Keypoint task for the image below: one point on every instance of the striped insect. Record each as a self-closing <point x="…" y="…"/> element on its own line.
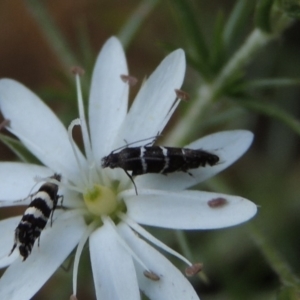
<point x="158" y="159"/>
<point x="41" y="208"/>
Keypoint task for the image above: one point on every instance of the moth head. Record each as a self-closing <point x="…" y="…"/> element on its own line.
<point x="110" y="161"/>
<point x="56" y="176"/>
<point x="213" y="159"/>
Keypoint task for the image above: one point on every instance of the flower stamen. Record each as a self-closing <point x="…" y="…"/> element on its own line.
<point x="182" y="95"/>
<point x="79" y="249"/>
<point x="94" y="175"/>
<point x="108" y="222"/>
<point x="72" y="142"/>
<point x="140" y="230"/>
<point x="171" y="111"/>
<point x="194" y="269"/>
<point x="84" y="128"/>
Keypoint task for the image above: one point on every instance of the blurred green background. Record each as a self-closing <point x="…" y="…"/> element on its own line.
<point x="41" y="40"/>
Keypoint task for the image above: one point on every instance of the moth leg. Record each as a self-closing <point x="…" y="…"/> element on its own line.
<point x="154" y="140"/>
<point x="149" y="144"/>
<point x="13" y="248"/>
<point x="51" y="215"/>
<point x="15" y="241"/>
<point x="186" y="171"/>
<point x="131" y="181"/>
<point x="38" y="241"/>
<point x="61" y="198"/>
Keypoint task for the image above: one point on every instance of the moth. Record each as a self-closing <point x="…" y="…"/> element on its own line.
<point x="158" y="159"/>
<point x="41" y="208"/>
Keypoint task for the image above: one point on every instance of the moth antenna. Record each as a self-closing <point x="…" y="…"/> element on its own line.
<point x="132" y="143"/>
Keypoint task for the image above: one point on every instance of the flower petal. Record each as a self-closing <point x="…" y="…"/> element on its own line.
<point x="17" y="183"/>
<point x="7" y="229"/>
<point x="23" y="279"/>
<point x="113" y="269"/>
<point x="172" y="284"/>
<point x="188" y="209"/>
<point x="17" y="180"/>
<point x="108" y="97"/>
<point x="228" y="145"/>
<point x="38" y="128"/>
<point x="149" y="112"/>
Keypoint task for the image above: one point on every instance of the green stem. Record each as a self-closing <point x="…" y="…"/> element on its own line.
<point x="181" y="239"/>
<point x="135" y="21"/>
<point x="274" y="112"/>
<point x="257" y="40"/>
<point x="186" y="251"/>
<point x="275" y="260"/>
<point x="208" y="92"/>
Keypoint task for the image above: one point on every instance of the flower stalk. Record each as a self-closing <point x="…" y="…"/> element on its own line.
<point x="209" y="92"/>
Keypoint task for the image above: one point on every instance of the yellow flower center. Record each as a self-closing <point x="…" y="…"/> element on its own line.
<point x="100" y="200"/>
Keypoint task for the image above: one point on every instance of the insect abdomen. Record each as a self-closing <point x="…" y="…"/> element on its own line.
<point x="177" y="159"/>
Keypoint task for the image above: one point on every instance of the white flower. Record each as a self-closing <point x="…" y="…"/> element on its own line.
<point x="102" y="204"/>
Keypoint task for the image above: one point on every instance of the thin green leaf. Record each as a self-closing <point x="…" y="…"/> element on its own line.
<point x="263" y="15"/>
<point x="235" y="66"/>
<point x="233" y="86"/>
<point x="238" y="86"/>
<point x="54" y="36"/>
<point x="271" y="110"/>
<point x="222" y="118"/>
<point x="275" y="260"/>
<point x="238" y="18"/>
<point x="193" y="35"/>
<point x="291" y="8"/>
<point x="135" y="21"/>
<point x="272" y="83"/>
<point x="18" y="148"/>
<point x="87" y="53"/>
<point x="192" y="61"/>
<point x="218" y="53"/>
